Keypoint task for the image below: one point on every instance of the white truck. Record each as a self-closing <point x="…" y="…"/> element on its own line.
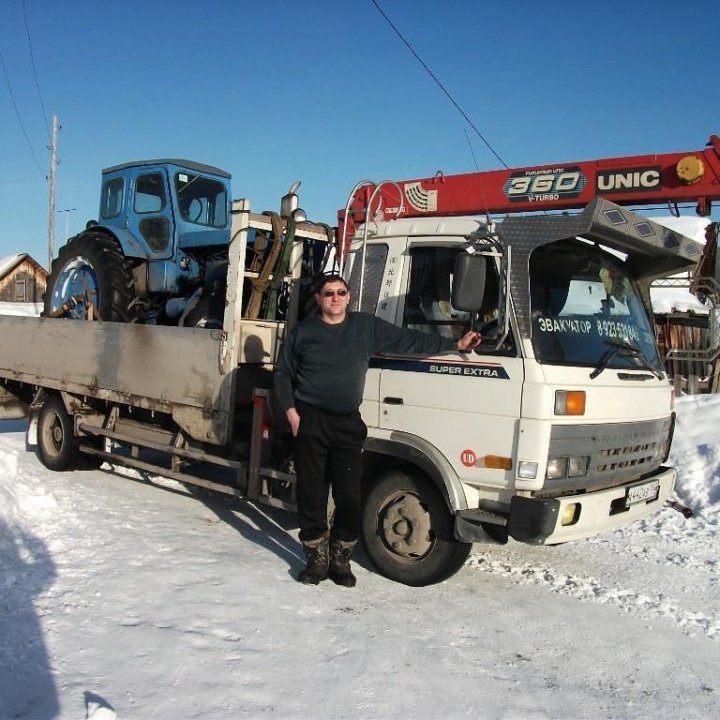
<point x="554" y="429"/>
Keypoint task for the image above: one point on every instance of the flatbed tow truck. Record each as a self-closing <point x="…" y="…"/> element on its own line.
<point x="556" y="428"/>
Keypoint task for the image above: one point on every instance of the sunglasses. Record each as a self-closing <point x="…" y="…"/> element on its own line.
<point x="332" y="293"/>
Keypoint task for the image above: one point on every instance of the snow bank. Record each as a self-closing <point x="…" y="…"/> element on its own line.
<point x="696" y="454"/>
<point x="24" y="309"/>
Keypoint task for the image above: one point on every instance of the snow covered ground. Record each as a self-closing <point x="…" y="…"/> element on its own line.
<point x="120" y="597"/>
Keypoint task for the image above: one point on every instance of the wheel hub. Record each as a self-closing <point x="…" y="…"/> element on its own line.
<point x="405" y="526"/>
<point x="76" y="286"/>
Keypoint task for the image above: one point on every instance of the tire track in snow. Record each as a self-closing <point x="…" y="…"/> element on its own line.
<point x="591" y="589"/>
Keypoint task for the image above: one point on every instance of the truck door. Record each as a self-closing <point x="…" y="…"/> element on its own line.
<point x="150" y="217"/>
<point x="381" y="284"/>
<point x="466" y="405"/>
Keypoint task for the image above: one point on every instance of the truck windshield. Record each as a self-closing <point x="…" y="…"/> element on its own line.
<point x="584" y="307"/>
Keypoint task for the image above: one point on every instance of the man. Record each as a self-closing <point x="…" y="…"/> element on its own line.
<point x="319" y="384"/>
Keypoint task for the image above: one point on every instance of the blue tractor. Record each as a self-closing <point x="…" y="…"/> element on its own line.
<point x="162" y="238"/>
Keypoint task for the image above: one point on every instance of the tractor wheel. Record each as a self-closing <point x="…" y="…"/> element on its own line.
<point x="407" y="530"/>
<point x="208" y="313"/>
<point x="90" y="270"/>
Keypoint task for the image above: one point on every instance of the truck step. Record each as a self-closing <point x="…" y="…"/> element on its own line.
<point x="480" y="515"/>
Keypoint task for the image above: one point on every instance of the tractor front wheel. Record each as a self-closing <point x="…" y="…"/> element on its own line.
<point x="90" y="278"/>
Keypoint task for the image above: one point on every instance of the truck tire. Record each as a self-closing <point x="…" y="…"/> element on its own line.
<point x="91" y="266"/>
<point x="407" y="530"/>
<point x="57" y="445"/>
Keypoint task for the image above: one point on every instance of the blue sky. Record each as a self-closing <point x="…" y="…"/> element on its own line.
<point x="323" y="91"/>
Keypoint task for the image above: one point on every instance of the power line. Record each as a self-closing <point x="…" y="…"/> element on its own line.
<point x="438" y="83"/>
<point x="32" y="61"/>
<point x="472" y="152"/>
<point x="17" y="113"/>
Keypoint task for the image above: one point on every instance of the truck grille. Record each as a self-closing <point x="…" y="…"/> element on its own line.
<point x="618" y="452"/>
<point x="611" y="459"/>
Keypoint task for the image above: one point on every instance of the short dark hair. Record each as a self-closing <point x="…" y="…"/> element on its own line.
<point x="324" y="280"/>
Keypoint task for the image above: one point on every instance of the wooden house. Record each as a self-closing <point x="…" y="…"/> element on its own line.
<point x="22" y="279"/>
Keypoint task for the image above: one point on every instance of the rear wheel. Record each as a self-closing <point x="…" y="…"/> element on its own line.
<point x="57" y="445"/>
<point x="90" y="272"/>
<point x="208" y="313"/>
<point x="407" y="530"/>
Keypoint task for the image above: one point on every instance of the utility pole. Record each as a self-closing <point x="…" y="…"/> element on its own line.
<point x="52" y="185"/>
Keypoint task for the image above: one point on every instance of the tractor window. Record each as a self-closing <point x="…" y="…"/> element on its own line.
<point x="112" y="198"/>
<point x="156" y="232"/>
<point x="201" y="201"/>
<point x="149" y="193"/>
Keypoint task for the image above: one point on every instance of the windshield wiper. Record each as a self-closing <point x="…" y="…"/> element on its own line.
<point x="628" y="350"/>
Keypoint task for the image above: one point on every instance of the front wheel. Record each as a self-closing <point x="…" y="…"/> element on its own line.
<point x="407" y="530"/>
<point x="57" y="445"/>
<point x="90" y="272"/>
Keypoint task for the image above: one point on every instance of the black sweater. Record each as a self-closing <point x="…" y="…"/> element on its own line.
<point x="325" y="365"/>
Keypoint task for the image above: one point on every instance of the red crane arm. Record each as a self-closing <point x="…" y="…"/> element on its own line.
<point x="637" y="180"/>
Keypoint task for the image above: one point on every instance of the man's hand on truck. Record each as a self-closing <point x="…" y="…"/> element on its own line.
<point x="468" y="341"/>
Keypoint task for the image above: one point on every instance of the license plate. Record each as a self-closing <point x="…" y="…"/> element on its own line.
<point x="642" y="493"/>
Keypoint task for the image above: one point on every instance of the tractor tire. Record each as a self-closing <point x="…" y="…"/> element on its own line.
<point x="91" y="267"/>
<point x="208" y="313"/>
<point x="407" y="530"/>
<point x="57" y="445"/>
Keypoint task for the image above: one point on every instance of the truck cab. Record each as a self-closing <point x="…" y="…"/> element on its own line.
<point x="557" y="426"/>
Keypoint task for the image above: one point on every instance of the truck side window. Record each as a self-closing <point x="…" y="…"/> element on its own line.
<point x="375" y="258"/>
<point x="427" y="303"/>
<point x="149" y="193"/>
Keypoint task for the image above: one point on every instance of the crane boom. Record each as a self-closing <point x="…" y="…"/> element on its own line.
<point x="674" y="178"/>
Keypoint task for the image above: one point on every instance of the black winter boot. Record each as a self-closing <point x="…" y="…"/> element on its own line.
<point x="339" y="570"/>
<point x="316" y="570"/>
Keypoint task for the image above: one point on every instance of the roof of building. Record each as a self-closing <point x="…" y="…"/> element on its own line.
<point x="8" y="264"/>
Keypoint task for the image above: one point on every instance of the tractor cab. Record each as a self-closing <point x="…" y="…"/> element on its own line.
<point x="159" y="209"/>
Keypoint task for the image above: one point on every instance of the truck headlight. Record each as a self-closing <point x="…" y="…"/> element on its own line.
<point x="566" y="467"/>
<point x="577" y="466"/>
<point x="556" y="468"/>
<point x="527" y="470"/>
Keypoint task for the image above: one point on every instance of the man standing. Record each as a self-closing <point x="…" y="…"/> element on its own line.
<point x="319" y="384"/>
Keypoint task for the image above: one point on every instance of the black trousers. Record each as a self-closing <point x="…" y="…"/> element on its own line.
<point x="328" y="453"/>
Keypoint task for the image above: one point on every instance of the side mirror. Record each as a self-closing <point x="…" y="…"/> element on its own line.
<point x="468" y="287"/>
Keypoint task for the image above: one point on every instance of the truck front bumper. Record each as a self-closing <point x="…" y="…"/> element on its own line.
<point x="540" y="522"/>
